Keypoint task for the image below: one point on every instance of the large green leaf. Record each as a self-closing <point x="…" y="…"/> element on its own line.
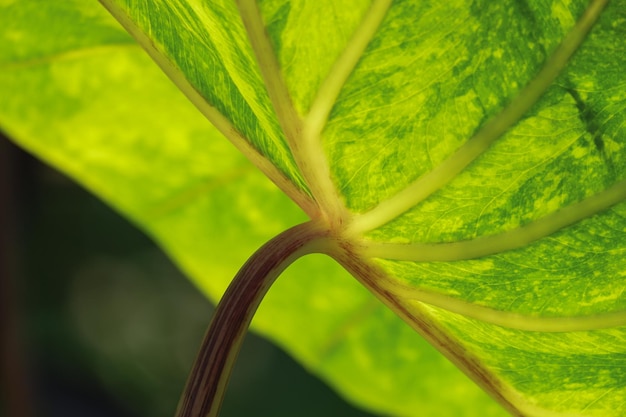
<point x="350" y="105"/>
<point x="80" y="94"/>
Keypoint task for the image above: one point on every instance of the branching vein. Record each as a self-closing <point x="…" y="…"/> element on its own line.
<point x="512" y="239"/>
<point x="513" y="320"/>
<point x="303" y="136"/>
<point x="426" y="185"/>
<point x="212" y="113"/>
<point x="274" y="83"/>
<point x="325" y="99"/>
<point x="291" y="123"/>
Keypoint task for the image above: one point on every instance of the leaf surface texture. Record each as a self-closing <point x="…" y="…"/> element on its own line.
<point x="429" y="76"/>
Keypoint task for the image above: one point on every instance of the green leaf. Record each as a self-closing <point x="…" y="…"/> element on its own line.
<point x="92" y="104"/>
<point x="361" y="113"/>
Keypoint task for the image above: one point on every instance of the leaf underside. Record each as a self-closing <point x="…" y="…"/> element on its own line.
<point x="343" y="136"/>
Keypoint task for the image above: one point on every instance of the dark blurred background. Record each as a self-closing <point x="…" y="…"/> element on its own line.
<point x="96" y="321"/>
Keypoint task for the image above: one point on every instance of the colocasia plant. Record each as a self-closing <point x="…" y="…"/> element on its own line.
<point x="464" y="161"/>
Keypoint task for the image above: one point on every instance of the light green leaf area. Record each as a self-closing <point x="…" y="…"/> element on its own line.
<point x="80" y="94"/>
<point x="355" y="111"/>
<point x="99" y="109"/>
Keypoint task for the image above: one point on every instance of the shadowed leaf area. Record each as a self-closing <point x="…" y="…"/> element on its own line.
<point x="477" y="189"/>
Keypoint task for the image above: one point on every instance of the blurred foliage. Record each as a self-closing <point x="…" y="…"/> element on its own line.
<point x="113" y="326"/>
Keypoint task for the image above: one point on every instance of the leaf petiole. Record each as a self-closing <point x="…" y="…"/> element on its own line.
<point x="211" y="370"/>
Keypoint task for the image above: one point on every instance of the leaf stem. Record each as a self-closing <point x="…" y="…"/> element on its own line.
<point x="509" y="240"/>
<point x="429" y="183"/>
<point x="211" y="370"/>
